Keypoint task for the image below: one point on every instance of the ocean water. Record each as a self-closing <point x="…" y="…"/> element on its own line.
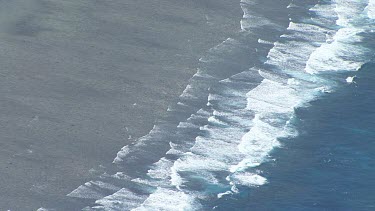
<point x="278" y="117"/>
<point x="330" y="165"/>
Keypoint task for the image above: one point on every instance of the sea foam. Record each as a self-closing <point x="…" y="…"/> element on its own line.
<point x="246" y="116"/>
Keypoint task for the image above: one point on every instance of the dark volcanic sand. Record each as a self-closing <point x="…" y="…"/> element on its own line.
<point x="79" y="79"/>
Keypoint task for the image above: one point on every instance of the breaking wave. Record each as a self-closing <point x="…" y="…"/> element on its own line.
<point x="239" y="106"/>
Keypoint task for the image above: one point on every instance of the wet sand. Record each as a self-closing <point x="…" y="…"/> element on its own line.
<point x="80" y="79"/>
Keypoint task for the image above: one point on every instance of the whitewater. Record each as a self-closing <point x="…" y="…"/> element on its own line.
<point x="235" y="111"/>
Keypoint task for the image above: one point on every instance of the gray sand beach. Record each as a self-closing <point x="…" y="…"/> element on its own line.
<point x="79" y="79"/>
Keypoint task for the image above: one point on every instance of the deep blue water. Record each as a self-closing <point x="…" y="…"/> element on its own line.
<point x="331" y="165"/>
<point x="271" y="120"/>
